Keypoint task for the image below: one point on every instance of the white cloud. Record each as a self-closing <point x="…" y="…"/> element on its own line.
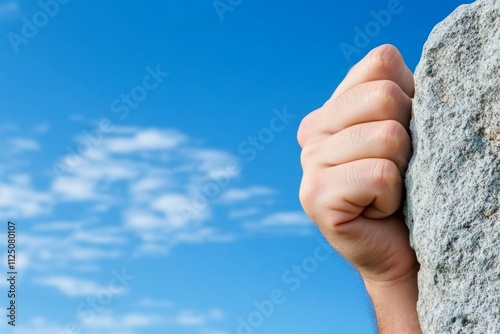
<point x="203" y="235"/>
<point x="148" y="184"/>
<point x="94" y="178"/>
<point x="190" y="318"/>
<point x="145" y="140"/>
<point x="134" y="322"/>
<point x="153" y="189"/>
<point x="52" y="247"/>
<point x="80" y="253"/>
<point x="212" y="161"/>
<point x="144" y="220"/>
<point x="171" y="207"/>
<point x="59" y="226"/>
<point x="39" y="325"/>
<point x="21" y="200"/>
<point x="160" y="244"/>
<point x="152" y="248"/>
<point x="152" y="303"/>
<point x="140" y="320"/>
<point x="174" y="208"/>
<point x="103" y="236"/>
<point x="239" y="195"/>
<point x="155" y="180"/>
<point x="17" y="145"/>
<point x="74" y="189"/>
<point x="124" y="322"/>
<point x="107" y="322"/>
<point x="72" y="287"/>
<point x="293" y="222"/>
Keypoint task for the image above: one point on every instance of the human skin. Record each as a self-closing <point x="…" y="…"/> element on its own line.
<point x="355" y="152"/>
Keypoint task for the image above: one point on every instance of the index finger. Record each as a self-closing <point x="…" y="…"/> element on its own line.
<point x="382" y="63"/>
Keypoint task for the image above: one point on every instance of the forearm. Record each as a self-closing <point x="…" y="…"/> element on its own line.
<point x="395" y="306"/>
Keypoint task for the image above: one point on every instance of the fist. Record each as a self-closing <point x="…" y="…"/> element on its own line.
<point x="355" y="151"/>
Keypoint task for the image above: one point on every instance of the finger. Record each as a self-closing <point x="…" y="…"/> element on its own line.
<point x="346" y="190"/>
<point x="381" y="140"/>
<point x="382" y="63"/>
<point x="367" y="102"/>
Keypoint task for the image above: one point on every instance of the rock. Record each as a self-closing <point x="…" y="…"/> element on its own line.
<point x="453" y="181"/>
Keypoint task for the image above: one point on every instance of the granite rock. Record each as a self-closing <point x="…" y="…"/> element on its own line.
<point x="453" y="181"/>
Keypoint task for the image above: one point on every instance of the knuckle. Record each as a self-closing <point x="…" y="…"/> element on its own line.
<point x="306" y="129"/>
<point x="313" y="157"/>
<point x="317" y="203"/>
<point x="308" y="193"/>
<point x="385" y="174"/>
<point x="307" y="154"/>
<point x="384" y="60"/>
<point x="388" y="97"/>
<point x="391" y="135"/>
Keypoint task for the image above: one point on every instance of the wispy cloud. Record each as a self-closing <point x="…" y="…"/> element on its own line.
<point x="245" y="194"/>
<point x="191" y="318"/>
<point x="53" y="247"/>
<point x="155" y="304"/>
<point x="71" y="286"/>
<point x="292" y="222"/>
<point x="135" y="322"/>
<point x="40" y="325"/>
<point x="154" y="188"/>
<point x="17" y="145"/>
<point x="126" y="322"/>
<point x="19" y="199"/>
<point x="110" y="323"/>
<point x="145" y="140"/>
<point x="245" y="212"/>
<point x="138" y="189"/>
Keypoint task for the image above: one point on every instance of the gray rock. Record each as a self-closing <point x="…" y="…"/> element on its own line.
<point x="453" y="182"/>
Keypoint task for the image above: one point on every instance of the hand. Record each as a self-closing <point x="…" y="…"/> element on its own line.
<point x="356" y="149"/>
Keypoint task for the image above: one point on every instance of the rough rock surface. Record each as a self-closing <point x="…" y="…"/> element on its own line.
<point x="453" y="182"/>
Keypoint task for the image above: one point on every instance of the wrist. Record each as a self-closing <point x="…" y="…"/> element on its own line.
<point x="395" y="305"/>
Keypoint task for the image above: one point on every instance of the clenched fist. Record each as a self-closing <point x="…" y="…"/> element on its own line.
<point x="355" y="151"/>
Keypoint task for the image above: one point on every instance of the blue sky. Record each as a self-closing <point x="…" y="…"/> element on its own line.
<point x="149" y="161"/>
